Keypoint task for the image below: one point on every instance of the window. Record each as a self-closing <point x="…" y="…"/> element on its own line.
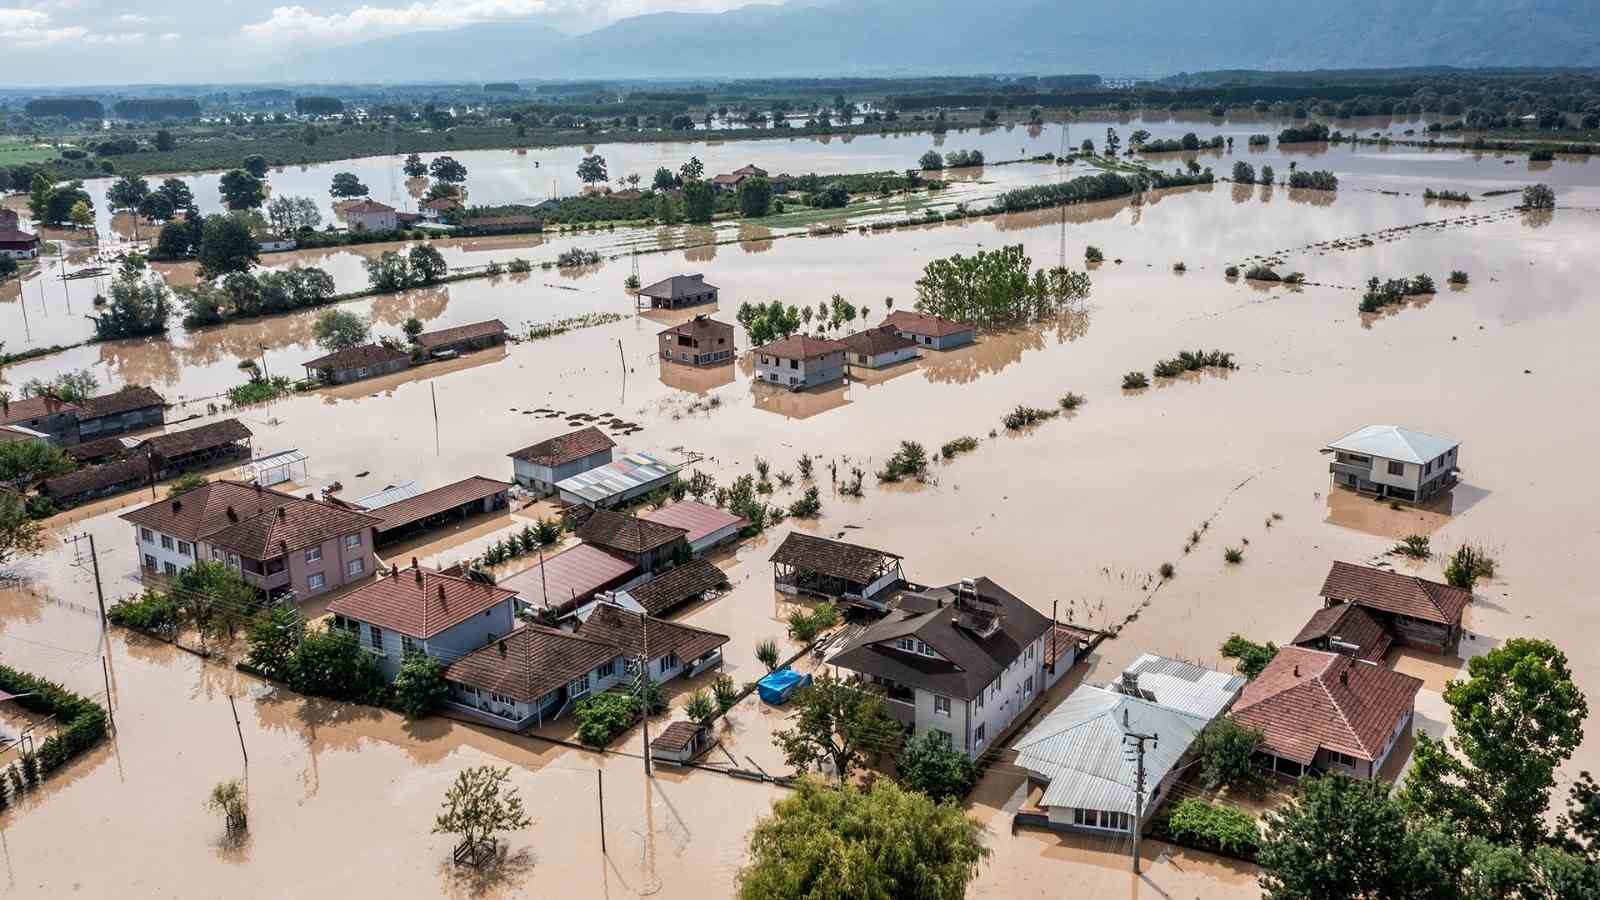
<point x="407" y="645"/>
<point x="147" y="536"/>
<point x="906" y="644"/>
<point x="149" y="561"/>
<point x="668" y="663"/>
<point x="316" y="581"/>
<point x="607" y="670"/>
<point x="941" y="705"/>
<point x="977" y="735"/>
<point x="1029" y="655"/>
<point x="166" y="542"/>
<point x="185" y="548"/>
<point x="352" y="541"/>
<point x="216" y="554"/>
<point x="979" y="701"/>
<point x="1027" y="687"/>
<point x="1428" y="469"/>
<point x="355" y="567"/>
<point x="1397" y="468"/>
<point x="375" y="637"/>
<point x="170" y="568"/>
<point x="579" y="686"/>
<point x="1349" y="762"/>
<point x="994" y="689"/>
<point x="794" y="363"/>
<point x="233" y="560"/>
<point x="945" y="738"/>
<point x="314" y="554"/>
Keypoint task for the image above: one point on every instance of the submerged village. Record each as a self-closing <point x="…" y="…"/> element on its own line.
<point x="1162" y="502"/>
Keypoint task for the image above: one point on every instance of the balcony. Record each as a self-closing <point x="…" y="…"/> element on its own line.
<point x="1363" y="472"/>
<point x="902" y="712"/>
<point x="266" y="581"/>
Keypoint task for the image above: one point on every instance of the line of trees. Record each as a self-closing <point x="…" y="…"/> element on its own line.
<point x="993" y="288"/>
<point x="241" y="295"/>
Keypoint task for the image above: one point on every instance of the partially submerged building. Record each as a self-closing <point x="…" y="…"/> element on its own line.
<point x="200" y="447"/>
<point x="877" y="348"/>
<point x="834" y="570"/>
<point x="1391" y="462"/>
<point x="43" y="413"/>
<point x="800" y="361"/>
<point x="1346" y="628"/>
<point x="133" y="408"/>
<point x="682" y="584"/>
<point x="416" y="513"/>
<point x="422" y="610"/>
<point x="632" y="476"/>
<point x="94" y="482"/>
<point x="463" y="338"/>
<point x="646" y="545"/>
<point x="560" y="583"/>
<point x="1417" y="612"/>
<point x="368" y="214"/>
<point x="679" y="291"/>
<point x="930" y="331"/>
<point x="356" y="363"/>
<point x="701" y="341"/>
<point x="538" y="467"/>
<point x="706" y="527"/>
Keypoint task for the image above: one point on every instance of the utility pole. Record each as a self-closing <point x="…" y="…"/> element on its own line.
<point x="105" y="670"/>
<point x="1138" y="739"/>
<point x="600" y="779"/>
<point x="239" y="728"/>
<point x="94" y="559"/>
<point x="644" y="693"/>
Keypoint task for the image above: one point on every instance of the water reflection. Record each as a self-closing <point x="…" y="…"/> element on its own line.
<point x="798" y="404"/>
<point x="696" y="379"/>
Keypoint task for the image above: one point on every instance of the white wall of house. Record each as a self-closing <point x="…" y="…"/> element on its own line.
<point x="879" y="360"/>
<point x="542" y="479"/>
<point x="383" y="220"/>
<point x="798" y="373"/>
<point x="163" y="552"/>
<point x="1003" y="700"/>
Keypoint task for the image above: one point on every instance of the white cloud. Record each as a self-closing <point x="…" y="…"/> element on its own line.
<point x="131" y="37"/>
<point x="171" y="36"/>
<point x="298" y="24"/>
<point x="132" y="19"/>
<point x="27" y="29"/>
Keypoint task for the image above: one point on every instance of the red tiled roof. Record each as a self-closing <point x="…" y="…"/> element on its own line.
<point x="196" y="514"/>
<point x="445" y="336"/>
<point x="1063" y="640"/>
<point x="875" y="341"/>
<point x="368" y="205"/>
<point x="419" y="602"/>
<point x="1404" y="595"/>
<point x="676" y="738"/>
<point x="1305" y="699"/>
<point x="291" y="526"/>
<point x="698" y="519"/>
<point x="13" y="236"/>
<point x="571" y="575"/>
<point x="366" y="355"/>
<point x="1349" y="624"/>
<point x="701" y="328"/>
<point x="922" y="323"/>
<point x="801" y="346"/>
<point x="442" y="203"/>
<point x="34" y="407"/>
<point x="530" y="662"/>
<point x="438" y="500"/>
<point x="565" y="448"/>
<point x="627" y="631"/>
<point x="625" y="533"/>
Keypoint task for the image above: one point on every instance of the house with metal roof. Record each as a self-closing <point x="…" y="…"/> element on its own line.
<point x="679" y="291"/>
<point x="539" y="466"/>
<point x="1327" y="712"/>
<point x="706" y="526"/>
<point x="423" y="610"/>
<point x="564" y="581"/>
<point x="1078" y="754"/>
<point x="1417" y="612"/>
<point x="403" y="514"/>
<point x="962" y="661"/>
<point x="1395" y="463"/>
<point x="618" y="481"/>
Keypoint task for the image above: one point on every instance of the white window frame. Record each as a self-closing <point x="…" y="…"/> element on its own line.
<point x="409" y="645"/>
<point x="166" y="542"/>
<point x="316" y="581"/>
<point x="185" y="548"/>
<point x="977" y="735"/>
<point x="941" y="705"/>
<point x="352" y="541"/>
<point x="314" y="554"/>
<point x="579" y="686"/>
<point x="355" y="568"/>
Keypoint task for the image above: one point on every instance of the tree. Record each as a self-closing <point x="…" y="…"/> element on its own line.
<point x="427" y="264"/>
<point x="177" y="193"/>
<point x="755" y="196"/>
<point x="80" y="215"/>
<point x="29" y="461"/>
<point x="931" y="161"/>
<point x="1252" y="657"/>
<point x="164" y="141"/>
<point x="1227" y="754"/>
<point x="389" y="272"/>
<point x="824" y="841"/>
<point x="1517" y="716"/>
<point x="241" y="190"/>
<point x="1267" y="175"/>
<point x="699" y="200"/>
<point x="480" y="805"/>
<point x="140" y="305"/>
<point x="273" y="637"/>
<point x="419" y="687"/>
<point x="214" y="598"/>
<point x="173" y="242"/>
<point x="20" y="535"/>
<point x="255" y="164"/>
<point x="39" y="196"/>
<point x="337" y="329"/>
<point x="127" y="192"/>
<point x="664" y="181"/>
<point x="1338" y="838"/>
<point x="346" y="185"/>
<point x="412" y="328"/>
<point x="1538" y="196"/>
<point x="592" y="169"/>
<point x="226" y="245"/>
<point x="930" y="765"/>
<point x="1580" y="824"/>
<point x="156" y="207"/>
<point x="693" y="170"/>
<point x="666" y="209"/>
<point x="836" y="724"/>
<point x="227" y="797"/>
<point x="332" y="664"/>
<point x="291" y="214"/>
<point x="1243" y="173"/>
<point x="700" y="708"/>
<point x="8" y="267"/>
<point x="414" y="166"/>
<point x="447" y="170"/>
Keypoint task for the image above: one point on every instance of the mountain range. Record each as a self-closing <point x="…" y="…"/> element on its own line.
<point x="893" y="37"/>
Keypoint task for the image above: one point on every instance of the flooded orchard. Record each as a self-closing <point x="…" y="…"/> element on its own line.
<point x="1076" y="514"/>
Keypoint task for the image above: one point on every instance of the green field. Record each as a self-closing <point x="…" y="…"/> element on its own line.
<point x="14" y="152"/>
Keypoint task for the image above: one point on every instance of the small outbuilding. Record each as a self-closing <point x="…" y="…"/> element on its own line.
<point x="877" y="348"/>
<point x="463" y="338"/>
<point x="428" y="510"/>
<point x="619" y="481"/>
<point x="680" y="743"/>
<point x="539" y="466"/>
<point x="131" y="409"/>
<point x="678" y="291"/>
<point x="94" y="482"/>
<point x="193" y="448"/>
<point x="1416" y="611"/>
<point x="681" y="584"/>
<point x="834" y="570"/>
<point x="356" y="363"/>
<point x="707" y="526"/>
<point x="647" y="545"/>
<point x="1346" y="628"/>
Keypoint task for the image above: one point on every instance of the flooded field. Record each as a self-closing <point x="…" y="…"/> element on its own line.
<point x="1077" y="513"/>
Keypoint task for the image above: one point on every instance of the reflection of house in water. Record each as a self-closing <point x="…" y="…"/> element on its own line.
<point x="798" y="404"/>
<point x="999" y="350"/>
<point x="695" y="379"/>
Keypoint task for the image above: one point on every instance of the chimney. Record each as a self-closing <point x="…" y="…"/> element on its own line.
<point x="394" y="571"/>
<point x="417" y="572"/>
<point x="502" y="647"/>
<point x="177" y="505"/>
<point x="1344" y="677"/>
<point x="233" y="516"/>
<point x="282" y="513"/>
<point x="1297" y="670"/>
<point x="413" y="562"/>
<point x="1125" y="718"/>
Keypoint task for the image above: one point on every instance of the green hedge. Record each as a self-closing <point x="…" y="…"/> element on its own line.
<point x="601" y="718"/>
<point x="1227" y="830"/>
<point x="83" y="721"/>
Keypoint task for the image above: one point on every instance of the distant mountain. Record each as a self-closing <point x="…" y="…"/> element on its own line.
<point x="893" y="37"/>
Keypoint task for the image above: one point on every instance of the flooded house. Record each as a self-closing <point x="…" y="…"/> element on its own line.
<point x="701" y="341"/>
<point x="1394" y="463"/>
<point x="1346" y="628"/>
<point x="56" y="419"/>
<point x="356" y="363"/>
<point x="800" y="361"/>
<point x="422" y="610"/>
<point x="14" y="242"/>
<point x="282" y="544"/>
<point x="538" y="467"/>
<point x="679" y="743"/>
<point x="1081" y="774"/>
<point x="203" y="446"/>
<point x="707" y="526"/>
<point x="877" y="348"/>
<point x="367" y="214"/>
<point x="562" y="582"/>
<point x="646" y="545"/>
<point x="133" y="408"/>
<point x="1417" y="612"/>
<point x="404" y="514"/>
<point x="439" y="207"/>
<point x="1323" y="712"/>
<point x="93" y="482"/>
<point x="930" y="331"/>
<point x="962" y="661"/>
<point x="730" y="181"/>
<point x="679" y="291"/>
<point x="834" y="570"/>
<point x="629" y="478"/>
<point x="463" y="338"/>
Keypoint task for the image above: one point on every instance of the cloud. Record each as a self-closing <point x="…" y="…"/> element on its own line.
<point x="132" y="19"/>
<point x="298" y="24"/>
<point x="27" y="29"/>
<point x="131" y="37"/>
<point x="171" y="36"/>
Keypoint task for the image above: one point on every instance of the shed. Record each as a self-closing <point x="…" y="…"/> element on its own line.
<point x="707" y="526"/>
<point x="563" y="581"/>
<point x="676" y="586"/>
<point x="274" y="468"/>
<point x="677" y="291"/>
<point x="129" y="409"/>
<point x="97" y="481"/>
<point x="539" y="466"/>
<point x="464" y="338"/>
<point x="680" y="743"/>
<point x="192" y="448"/>
<point x="356" y="363"/>
<point x="431" y="509"/>
<point x="634" y="475"/>
<point x="832" y="569"/>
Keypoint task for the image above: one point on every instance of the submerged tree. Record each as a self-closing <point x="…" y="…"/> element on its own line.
<point x="836" y="725"/>
<point x="477" y="807"/>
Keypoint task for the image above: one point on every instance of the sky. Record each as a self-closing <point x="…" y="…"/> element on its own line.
<point x="83" y="42"/>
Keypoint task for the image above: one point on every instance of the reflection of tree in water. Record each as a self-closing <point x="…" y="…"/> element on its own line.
<point x="1242" y="192"/>
<point x="703" y="253"/>
<point x="1538" y="218"/>
<point x="1312" y="196"/>
<point x="141" y="361"/>
<point x="574" y="273"/>
<point x="416" y="187"/>
<point x="424" y="304"/>
<point x="755" y="238"/>
<point x="998" y="350"/>
<point x="1077" y="214"/>
<point x="1266" y="193"/>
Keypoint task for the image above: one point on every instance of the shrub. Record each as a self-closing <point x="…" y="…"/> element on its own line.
<point x="1538" y="196"/>
<point x="419" y="687"/>
<point x="1295" y="278"/>
<point x="332" y="664"/>
<point x="1251" y="657"/>
<point x="1541" y="156"/>
<point x="1071" y="401"/>
<point x="1233" y="555"/>
<point x="809" y="506"/>
<point x="928" y="765"/>
<point x="1024" y="416"/>
<point x="804" y="626"/>
<point x="604" y="716"/>
<point x="1261" y="273"/>
<point x="767" y="653"/>
<point x="1179" y="267"/>
<point x="1135" y="380"/>
<point x="958" y="446"/>
<point x="725" y="692"/>
<point x="911" y="460"/>
<point x="1458" y="277"/>
<point x="1467" y="565"/>
<point x="1227" y="754"/>
<point x="83" y="721"/>
<point x="151" y="611"/>
<point x="1231" y="272"/>
<point x="700" y="708"/>
<point x="1319" y="180"/>
<point x="1220" y="829"/>
<point x="1093" y="254"/>
<point x="1414" y="546"/>
<point x="1167" y="571"/>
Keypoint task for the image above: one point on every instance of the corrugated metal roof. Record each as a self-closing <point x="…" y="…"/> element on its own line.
<point x="573" y="574"/>
<point x="1394" y="442"/>
<point x="613" y="478"/>
<point x="394" y="493"/>
<point x="1184" y="686"/>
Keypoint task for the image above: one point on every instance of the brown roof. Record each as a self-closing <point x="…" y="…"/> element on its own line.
<point x="701" y="328"/>
<point x="676" y="738"/>
<point x="126" y="400"/>
<point x="1061" y="639"/>
<point x="626" y="630"/>
<point x="207" y="509"/>
<point x="874" y="341"/>
<point x="131" y="472"/>
<point x="190" y="440"/>
<point x="13" y="236"/>
<point x="442" y="203"/>
<point x="1347" y="623"/>
<point x="291" y="526"/>
<point x="676" y="286"/>
<point x="801" y="346"/>
<point x="569" y="577"/>
<point x="367" y="355"/>
<point x="497" y="221"/>
<point x="922" y="323"/>
<point x="1305" y="699"/>
<point x="625" y="533"/>
<point x="444" y="336"/>
<point x="33" y="408"/>
<point x="565" y="448"/>
<point x="438" y="500"/>
<point x="700" y="520"/>
<point x="677" y="585"/>
<point x="419" y="602"/>
<point x="1403" y="595"/>
<point x="750" y="169"/>
<point x="530" y="662"/>
<point x="368" y="205"/>
<point x="814" y="554"/>
<point x="89" y="451"/>
<point x="726" y="179"/>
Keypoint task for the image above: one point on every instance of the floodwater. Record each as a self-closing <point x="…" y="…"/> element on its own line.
<point x="1075" y="515"/>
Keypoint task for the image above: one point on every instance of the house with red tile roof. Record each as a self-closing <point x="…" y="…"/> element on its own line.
<point x="356" y="363"/>
<point x="423" y="610"/>
<point x="45" y="414"/>
<point x="277" y="542"/>
<point x="1346" y="628"/>
<point x="800" y="361"/>
<point x="643" y="543"/>
<point x="538" y="467"/>
<point x="367" y="214"/>
<point x="930" y="331"/>
<point x="1327" y="712"/>
<point x="1416" y="611"/>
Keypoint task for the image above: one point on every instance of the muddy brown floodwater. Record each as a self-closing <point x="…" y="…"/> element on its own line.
<point x="1076" y="514"/>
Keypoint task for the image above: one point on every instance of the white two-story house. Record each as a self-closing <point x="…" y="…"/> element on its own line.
<point x="1394" y="463"/>
<point x="800" y="362"/>
<point x="422" y="610"/>
<point x="962" y="661"/>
